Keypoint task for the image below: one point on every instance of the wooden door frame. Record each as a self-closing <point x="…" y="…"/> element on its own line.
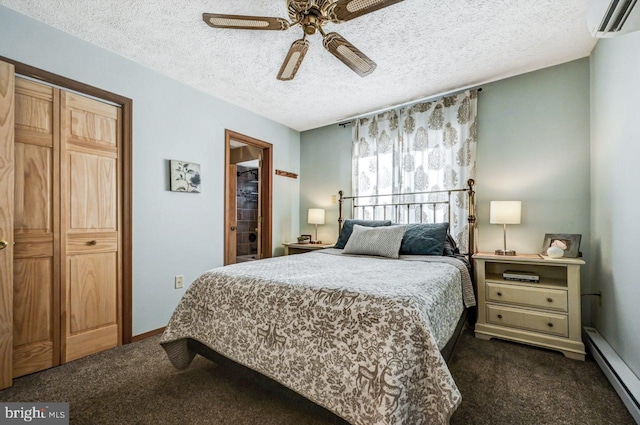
<point x="266" y="182"/>
<point x="126" y="151"/>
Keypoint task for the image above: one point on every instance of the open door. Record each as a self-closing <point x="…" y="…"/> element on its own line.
<point x="231" y="215"/>
<point x="241" y="150"/>
<point x="259" y="227"/>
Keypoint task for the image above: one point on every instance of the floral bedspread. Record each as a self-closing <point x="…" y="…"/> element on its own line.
<point x="357" y="335"/>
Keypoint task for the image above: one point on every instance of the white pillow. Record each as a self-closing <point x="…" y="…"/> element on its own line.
<point x="381" y="241"/>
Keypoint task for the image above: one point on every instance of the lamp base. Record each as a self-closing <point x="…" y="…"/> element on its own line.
<point x="509" y="252"/>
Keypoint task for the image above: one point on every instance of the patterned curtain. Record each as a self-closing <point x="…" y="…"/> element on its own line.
<point x="428" y="146"/>
<point x="376" y="154"/>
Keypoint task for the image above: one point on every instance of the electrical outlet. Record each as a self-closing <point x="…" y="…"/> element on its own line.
<point x="179" y="281"/>
<point x="334" y="199"/>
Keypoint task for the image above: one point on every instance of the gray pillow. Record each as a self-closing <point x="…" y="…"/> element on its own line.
<point x="424" y="239"/>
<point x="382" y="241"/>
<point x="347" y="228"/>
<point x="450" y="246"/>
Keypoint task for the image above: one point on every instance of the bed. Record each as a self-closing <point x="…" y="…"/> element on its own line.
<point x="360" y="335"/>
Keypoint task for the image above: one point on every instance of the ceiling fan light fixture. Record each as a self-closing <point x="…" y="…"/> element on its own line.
<point x="349" y="54"/>
<point x="293" y="60"/>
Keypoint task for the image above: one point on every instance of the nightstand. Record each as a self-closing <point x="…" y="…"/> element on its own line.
<point x="299" y="248"/>
<point x="545" y="314"/>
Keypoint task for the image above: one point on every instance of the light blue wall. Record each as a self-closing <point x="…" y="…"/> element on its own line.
<point x="615" y="202"/>
<point x="533" y="146"/>
<point x="325" y="165"/>
<point x="173" y="233"/>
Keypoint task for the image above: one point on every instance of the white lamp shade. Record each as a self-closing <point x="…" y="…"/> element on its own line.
<point x="505" y="212"/>
<point x="316" y="216"/>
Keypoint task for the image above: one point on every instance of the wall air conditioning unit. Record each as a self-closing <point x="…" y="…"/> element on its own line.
<point x="608" y="18"/>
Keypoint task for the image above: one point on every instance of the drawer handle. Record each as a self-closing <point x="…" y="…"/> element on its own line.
<point x="499" y="294"/>
<point x="550" y="325"/>
<point x="499" y="316"/>
<point x="94" y="242"/>
<point x="550" y="300"/>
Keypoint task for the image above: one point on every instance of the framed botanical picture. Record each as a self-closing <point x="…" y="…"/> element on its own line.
<point x="185" y="176"/>
<point x="569" y="243"/>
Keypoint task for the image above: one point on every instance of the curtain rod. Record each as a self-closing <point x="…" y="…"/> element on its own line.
<point x="400" y="105"/>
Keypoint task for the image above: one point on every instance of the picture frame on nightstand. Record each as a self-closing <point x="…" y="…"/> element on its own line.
<point x="568" y="242"/>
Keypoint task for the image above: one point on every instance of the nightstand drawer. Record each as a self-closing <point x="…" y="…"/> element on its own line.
<point x="549" y="323"/>
<point x="551" y="299"/>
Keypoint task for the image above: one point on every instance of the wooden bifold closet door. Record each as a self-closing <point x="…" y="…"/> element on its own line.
<point x="36" y="256"/>
<point x="91" y="266"/>
<point x="66" y="213"/>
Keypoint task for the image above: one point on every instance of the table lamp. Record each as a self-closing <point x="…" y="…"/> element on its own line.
<point x="505" y="212"/>
<point x="316" y="216"/>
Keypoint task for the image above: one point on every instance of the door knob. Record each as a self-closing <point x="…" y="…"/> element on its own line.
<point x="3" y="244"/>
<point x="233" y="228"/>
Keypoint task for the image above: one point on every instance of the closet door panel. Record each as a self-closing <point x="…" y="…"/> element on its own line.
<point x="91" y="221"/>
<point x="32" y="300"/>
<point x="93" y="192"/>
<point x="92" y="123"/>
<point x="34" y="172"/>
<point x="92" y="294"/>
<point x="36" y="229"/>
<point x="34" y="113"/>
<point x="33" y="315"/>
<point x="92" y="283"/>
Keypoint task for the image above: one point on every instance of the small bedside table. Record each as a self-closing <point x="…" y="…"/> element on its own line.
<point x="299" y="248"/>
<point x="545" y="314"/>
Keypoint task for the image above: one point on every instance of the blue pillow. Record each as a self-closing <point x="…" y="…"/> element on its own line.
<point x="347" y="229"/>
<point x="424" y="239"/>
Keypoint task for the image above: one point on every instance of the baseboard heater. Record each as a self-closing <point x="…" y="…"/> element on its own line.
<point x="623" y="380"/>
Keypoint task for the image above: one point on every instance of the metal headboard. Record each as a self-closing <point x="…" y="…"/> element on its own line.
<point x="416" y="200"/>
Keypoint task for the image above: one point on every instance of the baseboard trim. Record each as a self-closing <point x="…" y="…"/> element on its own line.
<point x="623" y="380"/>
<point x="146" y="335"/>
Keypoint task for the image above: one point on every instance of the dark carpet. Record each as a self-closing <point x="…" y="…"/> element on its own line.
<point x="500" y="382"/>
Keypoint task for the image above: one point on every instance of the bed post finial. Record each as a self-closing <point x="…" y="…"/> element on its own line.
<point x="472" y="217"/>
<point x="340" y="202"/>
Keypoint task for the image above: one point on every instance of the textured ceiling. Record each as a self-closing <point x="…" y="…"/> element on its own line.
<point x="422" y="48"/>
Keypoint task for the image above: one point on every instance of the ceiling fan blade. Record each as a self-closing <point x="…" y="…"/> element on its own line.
<point x="349" y="54"/>
<point x="293" y="60"/>
<point x="245" y="22"/>
<point x="345" y="10"/>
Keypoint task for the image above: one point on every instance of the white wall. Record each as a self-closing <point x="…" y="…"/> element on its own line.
<point x="173" y="233"/>
<point x="533" y="146"/>
<point x="615" y="203"/>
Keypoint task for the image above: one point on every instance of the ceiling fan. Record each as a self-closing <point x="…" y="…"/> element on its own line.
<point x="311" y="15"/>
